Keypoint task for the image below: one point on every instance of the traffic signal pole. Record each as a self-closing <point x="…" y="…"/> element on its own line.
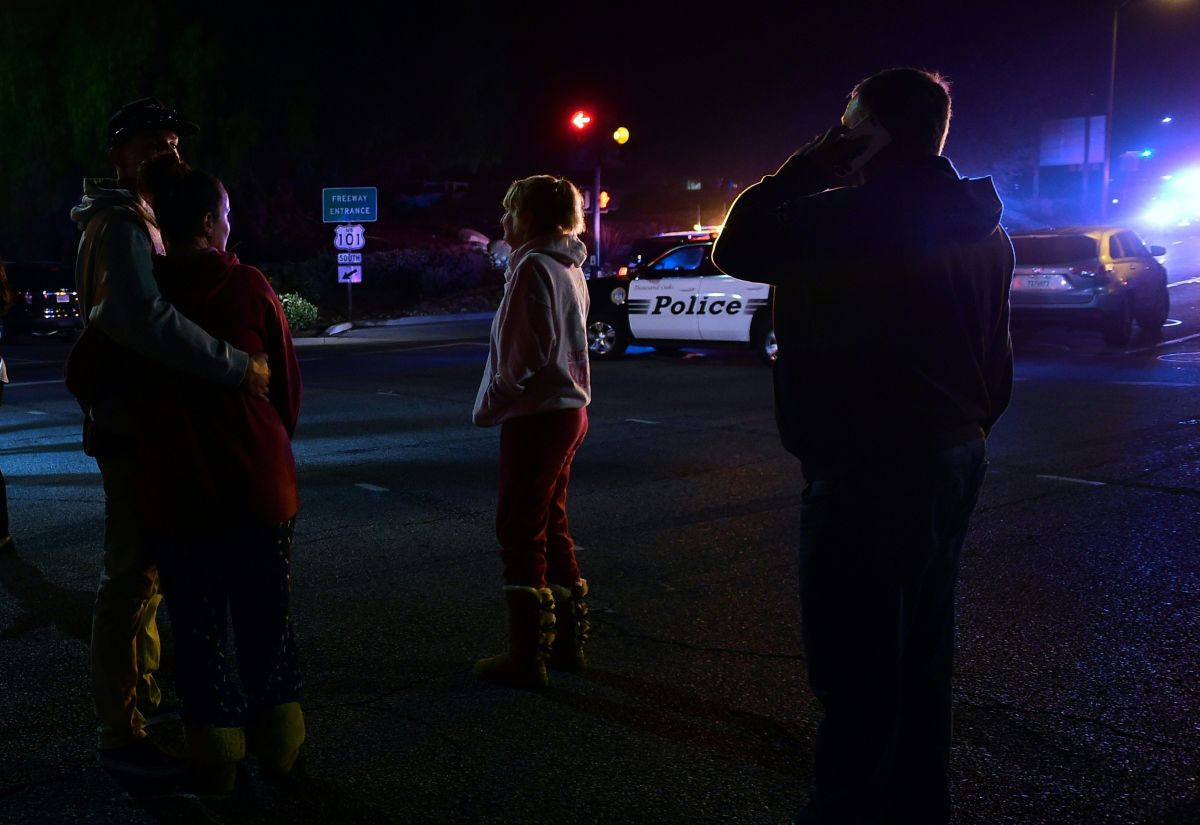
<point x="588" y="135"/>
<point x="596" y="214"/>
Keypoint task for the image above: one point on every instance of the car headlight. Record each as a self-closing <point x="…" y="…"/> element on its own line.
<point x="617" y="295"/>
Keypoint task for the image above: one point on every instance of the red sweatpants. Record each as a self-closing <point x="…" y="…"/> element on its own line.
<point x="536" y="452"/>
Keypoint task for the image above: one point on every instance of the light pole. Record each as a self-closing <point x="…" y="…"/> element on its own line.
<point x="1108" y="119"/>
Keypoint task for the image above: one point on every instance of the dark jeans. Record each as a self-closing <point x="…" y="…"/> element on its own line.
<point x="879" y="550"/>
<point x="247" y="573"/>
<point x="536" y="452"/>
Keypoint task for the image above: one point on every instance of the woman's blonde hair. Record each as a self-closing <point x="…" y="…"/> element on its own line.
<point x="547" y="203"/>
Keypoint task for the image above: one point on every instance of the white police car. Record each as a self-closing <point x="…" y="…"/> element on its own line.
<point x="679" y="299"/>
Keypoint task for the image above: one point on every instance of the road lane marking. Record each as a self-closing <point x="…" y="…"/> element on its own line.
<point x="1074" y="480"/>
<point x="642" y="421"/>
<point x="438" y="346"/>
<point x="18" y="360"/>
<point x="35" y="412"/>
<point x="34" y="383"/>
<point x="374" y="488"/>
<point x="1181" y="283"/>
<point x="1183" y="385"/>
<point x="1153" y="384"/>
<point x="1162" y="344"/>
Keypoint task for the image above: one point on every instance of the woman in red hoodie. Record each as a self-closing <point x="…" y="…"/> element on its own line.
<point x="221" y="493"/>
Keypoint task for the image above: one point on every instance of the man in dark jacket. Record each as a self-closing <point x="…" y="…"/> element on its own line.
<point x="118" y="295"/>
<point x="891" y="312"/>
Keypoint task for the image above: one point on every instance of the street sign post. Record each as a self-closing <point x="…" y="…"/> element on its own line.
<point x="340" y="205"/>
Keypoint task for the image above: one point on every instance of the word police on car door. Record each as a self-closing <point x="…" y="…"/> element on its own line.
<point x="683" y="296"/>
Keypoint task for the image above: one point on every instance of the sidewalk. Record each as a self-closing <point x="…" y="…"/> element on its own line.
<point x="417" y="328"/>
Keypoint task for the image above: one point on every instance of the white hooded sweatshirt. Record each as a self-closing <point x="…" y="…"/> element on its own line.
<point x="538" y="359"/>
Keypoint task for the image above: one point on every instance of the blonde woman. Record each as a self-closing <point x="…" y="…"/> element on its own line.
<point x="537" y="386"/>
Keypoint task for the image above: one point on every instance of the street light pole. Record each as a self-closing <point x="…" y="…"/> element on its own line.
<point x="1108" y="119"/>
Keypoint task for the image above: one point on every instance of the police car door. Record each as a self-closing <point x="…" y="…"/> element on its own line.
<point x="728" y="305"/>
<point x="662" y="297"/>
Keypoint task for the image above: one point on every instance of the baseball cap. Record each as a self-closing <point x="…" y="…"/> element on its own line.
<point x="141" y="115"/>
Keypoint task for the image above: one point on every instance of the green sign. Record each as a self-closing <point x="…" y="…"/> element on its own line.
<point x="350" y="204"/>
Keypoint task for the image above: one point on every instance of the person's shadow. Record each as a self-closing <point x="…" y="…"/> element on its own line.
<point x="44" y="603"/>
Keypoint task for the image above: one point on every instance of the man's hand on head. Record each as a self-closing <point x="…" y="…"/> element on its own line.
<point x="258" y="377"/>
<point x="832" y="150"/>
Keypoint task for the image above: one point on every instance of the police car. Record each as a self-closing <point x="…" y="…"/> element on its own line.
<point x="679" y="299"/>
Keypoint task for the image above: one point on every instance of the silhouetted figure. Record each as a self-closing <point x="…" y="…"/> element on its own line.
<point x="536" y="386"/>
<point x="119" y="297"/>
<point x="891" y="313"/>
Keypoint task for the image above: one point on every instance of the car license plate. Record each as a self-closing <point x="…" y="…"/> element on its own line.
<point x="63" y="297"/>
<point x="1033" y="282"/>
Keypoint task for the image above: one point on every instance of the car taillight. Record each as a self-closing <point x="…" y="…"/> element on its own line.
<point x="623" y="272"/>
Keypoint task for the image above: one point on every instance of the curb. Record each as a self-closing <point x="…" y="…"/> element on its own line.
<point x="409" y="320"/>
<point x="426" y="319"/>
<point x="336" y="335"/>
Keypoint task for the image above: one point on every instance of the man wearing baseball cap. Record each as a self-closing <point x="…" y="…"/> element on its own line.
<point x="118" y="295"/>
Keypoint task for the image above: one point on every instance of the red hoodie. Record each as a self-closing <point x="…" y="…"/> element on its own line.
<point x="215" y="457"/>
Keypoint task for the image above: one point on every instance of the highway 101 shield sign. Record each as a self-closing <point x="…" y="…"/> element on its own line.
<point x="349" y="237"/>
<point x="343" y="204"/>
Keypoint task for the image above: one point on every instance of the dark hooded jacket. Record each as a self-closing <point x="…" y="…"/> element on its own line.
<point x="891" y="308"/>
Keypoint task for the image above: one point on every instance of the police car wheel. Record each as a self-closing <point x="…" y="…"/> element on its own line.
<point x="606" y="339"/>
<point x="762" y="338"/>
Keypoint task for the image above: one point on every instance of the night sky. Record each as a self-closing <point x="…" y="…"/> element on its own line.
<point x="293" y="98"/>
<point x="739" y="89"/>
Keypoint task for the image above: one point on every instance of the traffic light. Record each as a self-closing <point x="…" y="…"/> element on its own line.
<point x="581" y="120"/>
<point x="607" y="201"/>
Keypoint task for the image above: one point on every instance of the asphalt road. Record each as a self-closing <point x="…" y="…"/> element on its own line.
<point x="1077" y="692"/>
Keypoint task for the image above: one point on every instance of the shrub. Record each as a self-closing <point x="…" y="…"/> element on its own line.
<point x="393" y="280"/>
<point x="309" y="279"/>
<point x="300" y="312"/>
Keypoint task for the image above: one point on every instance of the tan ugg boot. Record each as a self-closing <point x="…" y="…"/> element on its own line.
<point x="530" y="634"/>
<point x="572" y="628"/>
<point x="274" y="736"/>
<point x="214" y="754"/>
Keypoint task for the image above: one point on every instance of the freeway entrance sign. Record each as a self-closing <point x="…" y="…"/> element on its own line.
<point x="349" y="203"/>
